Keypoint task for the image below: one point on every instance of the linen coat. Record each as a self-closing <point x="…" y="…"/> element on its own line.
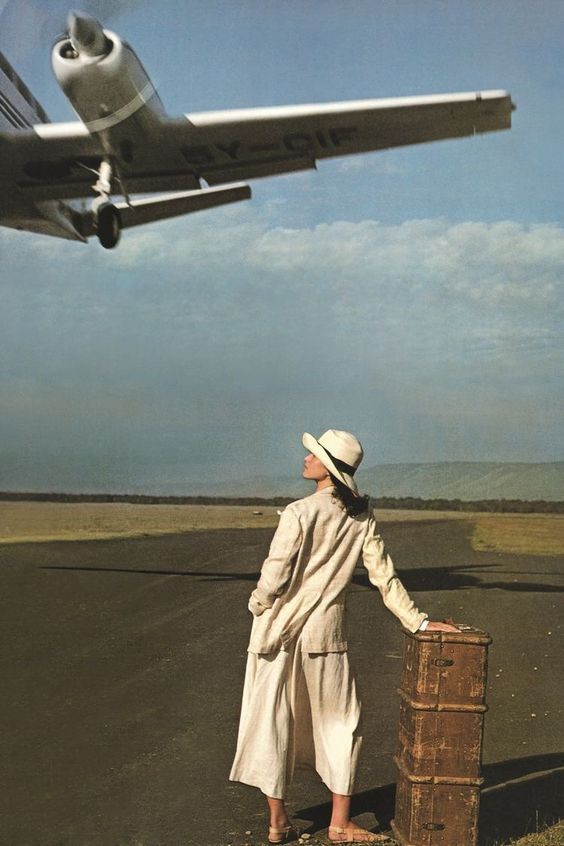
<point x="304" y="580"/>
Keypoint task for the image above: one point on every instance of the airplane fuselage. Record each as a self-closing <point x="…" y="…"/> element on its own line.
<point x="19" y="110"/>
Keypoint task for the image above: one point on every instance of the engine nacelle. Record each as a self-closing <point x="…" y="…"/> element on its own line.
<point x="103" y="78"/>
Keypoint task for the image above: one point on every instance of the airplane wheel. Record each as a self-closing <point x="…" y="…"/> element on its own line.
<point x="108" y="225"/>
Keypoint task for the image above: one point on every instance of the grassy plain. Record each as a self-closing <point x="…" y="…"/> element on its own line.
<point x="522" y="534"/>
<point x="25" y="522"/>
<point x="553" y="836"/>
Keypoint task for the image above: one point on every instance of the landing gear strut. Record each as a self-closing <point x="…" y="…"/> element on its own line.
<point x="107" y="219"/>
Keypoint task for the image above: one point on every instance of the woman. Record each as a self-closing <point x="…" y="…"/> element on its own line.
<point x="299" y="700"/>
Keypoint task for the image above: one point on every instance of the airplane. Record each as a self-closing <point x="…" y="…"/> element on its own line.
<point x="124" y="142"/>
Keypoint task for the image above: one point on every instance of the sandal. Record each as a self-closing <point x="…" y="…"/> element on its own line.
<point x="286" y="834"/>
<point x="356" y="835"/>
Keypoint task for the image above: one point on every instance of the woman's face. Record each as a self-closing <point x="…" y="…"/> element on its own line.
<point x="314" y="469"/>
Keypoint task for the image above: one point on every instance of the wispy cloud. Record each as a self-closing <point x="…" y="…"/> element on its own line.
<point x="374" y="164"/>
<point x="445" y="337"/>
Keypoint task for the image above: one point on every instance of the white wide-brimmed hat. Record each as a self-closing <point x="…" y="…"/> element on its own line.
<point x="340" y="452"/>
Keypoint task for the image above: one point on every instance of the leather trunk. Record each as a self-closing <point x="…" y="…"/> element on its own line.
<point x="439" y="752"/>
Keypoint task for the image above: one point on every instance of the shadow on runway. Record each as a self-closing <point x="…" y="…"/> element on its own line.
<point x="457" y="577"/>
<point x="202" y="574"/>
<point x="464" y="576"/>
<point x="520" y="796"/>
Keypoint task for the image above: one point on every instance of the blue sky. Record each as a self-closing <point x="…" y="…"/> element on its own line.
<point x="413" y="296"/>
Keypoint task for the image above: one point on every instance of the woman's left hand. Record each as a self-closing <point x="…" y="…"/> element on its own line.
<point x="440" y="627"/>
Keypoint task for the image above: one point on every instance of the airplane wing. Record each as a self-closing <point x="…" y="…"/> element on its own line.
<point x="57" y="161"/>
<point x="50" y="161"/>
<point x="252" y="143"/>
<point x="166" y="206"/>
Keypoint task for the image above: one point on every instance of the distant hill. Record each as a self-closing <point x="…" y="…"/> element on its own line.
<point x="457" y="480"/>
<point x="465" y="480"/>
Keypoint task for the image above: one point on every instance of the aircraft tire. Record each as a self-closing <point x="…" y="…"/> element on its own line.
<point x="108" y="225"/>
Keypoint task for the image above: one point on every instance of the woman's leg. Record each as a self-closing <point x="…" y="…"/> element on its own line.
<point x="280" y="829"/>
<point x="278" y="813"/>
<point x="335" y="712"/>
<point x="337" y="736"/>
<point x="340" y="816"/>
<point x="343" y="830"/>
<point x="262" y="758"/>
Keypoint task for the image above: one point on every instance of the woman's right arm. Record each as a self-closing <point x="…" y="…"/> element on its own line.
<point x="382" y="575"/>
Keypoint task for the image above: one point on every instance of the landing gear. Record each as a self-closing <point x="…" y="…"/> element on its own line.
<point x="107" y="219"/>
<point x="108" y="225"/>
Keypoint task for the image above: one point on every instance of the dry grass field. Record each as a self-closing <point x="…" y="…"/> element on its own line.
<point x="22" y="522"/>
<point x="553" y="836"/>
<point x="522" y="534"/>
<point x="25" y="522"/>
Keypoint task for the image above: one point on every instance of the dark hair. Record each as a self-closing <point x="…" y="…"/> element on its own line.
<point x="353" y="505"/>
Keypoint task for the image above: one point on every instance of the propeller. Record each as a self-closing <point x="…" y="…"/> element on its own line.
<point x="26" y="28"/>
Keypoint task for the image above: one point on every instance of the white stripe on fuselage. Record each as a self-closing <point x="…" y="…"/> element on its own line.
<point x="140" y="99"/>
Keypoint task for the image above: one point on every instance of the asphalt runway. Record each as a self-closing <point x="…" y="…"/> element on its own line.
<point x="122" y="670"/>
